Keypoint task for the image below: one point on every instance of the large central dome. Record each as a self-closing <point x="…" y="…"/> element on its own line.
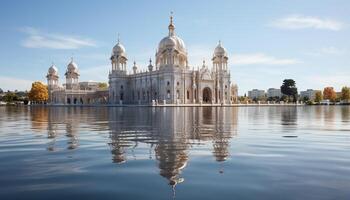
<point x="171" y="49"/>
<point x="172" y="42"/>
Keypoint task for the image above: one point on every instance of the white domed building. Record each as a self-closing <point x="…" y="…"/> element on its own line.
<point x="171" y="80"/>
<point x="74" y="92"/>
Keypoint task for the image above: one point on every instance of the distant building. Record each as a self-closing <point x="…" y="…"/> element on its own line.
<point x="73" y="91"/>
<point x="255" y="93"/>
<point x="273" y="92"/>
<point x="309" y="93"/>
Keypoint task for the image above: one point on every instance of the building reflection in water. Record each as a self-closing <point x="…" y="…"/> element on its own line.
<point x="172" y="132"/>
<point x="169" y="132"/>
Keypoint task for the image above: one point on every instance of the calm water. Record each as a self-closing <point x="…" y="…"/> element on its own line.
<point x="175" y="153"/>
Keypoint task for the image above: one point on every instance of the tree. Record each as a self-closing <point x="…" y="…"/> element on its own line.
<point x="1" y="91"/>
<point x="10" y="97"/>
<point x="289" y="89"/>
<point x="102" y="86"/>
<point x="329" y="93"/>
<point x="38" y="93"/>
<point x="345" y="94"/>
<point x="305" y="99"/>
<point x="318" y="96"/>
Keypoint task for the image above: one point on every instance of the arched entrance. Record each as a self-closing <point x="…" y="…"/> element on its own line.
<point x="206" y="95"/>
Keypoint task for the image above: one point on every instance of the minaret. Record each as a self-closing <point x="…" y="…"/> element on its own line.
<point x="52" y="80"/>
<point x="72" y="76"/>
<point x="119" y="58"/>
<point x="220" y="58"/>
<point x="52" y="77"/>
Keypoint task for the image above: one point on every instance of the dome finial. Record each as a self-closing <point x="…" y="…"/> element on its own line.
<point x="118" y="38"/>
<point x="171" y="17"/>
<point x="171" y="26"/>
<point x="150" y="60"/>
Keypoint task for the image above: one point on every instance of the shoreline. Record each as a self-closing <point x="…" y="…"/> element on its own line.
<point x="175" y="105"/>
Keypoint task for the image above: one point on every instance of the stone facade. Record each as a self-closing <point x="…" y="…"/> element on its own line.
<point x="73" y="92"/>
<point x="171" y="80"/>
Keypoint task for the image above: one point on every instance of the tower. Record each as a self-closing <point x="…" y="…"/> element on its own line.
<point x="119" y="58"/>
<point x="220" y="58"/>
<point x="222" y="75"/>
<point x="52" y="81"/>
<point x="52" y="77"/>
<point x="72" y="76"/>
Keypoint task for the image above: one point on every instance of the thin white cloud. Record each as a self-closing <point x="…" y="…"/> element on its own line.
<point x="37" y="39"/>
<point x="10" y="83"/>
<point x="294" y="22"/>
<point x="261" y="59"/>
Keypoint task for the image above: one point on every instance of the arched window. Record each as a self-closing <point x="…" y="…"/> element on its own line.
<point x="178" y="83"/>
<point x="188" y="94"/>
<point x="168" y="94"/>
<point x="168" y="83"/>
<point x="75" y="100"/>
<point x="122" y="96"/>
<point x="68" y="100"/>
<point x="121" y="87"/>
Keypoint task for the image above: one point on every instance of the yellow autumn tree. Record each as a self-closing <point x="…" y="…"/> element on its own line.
<point x="318" y="96"/>
<point x="38" y="93"/>
<point x="345" y="94"/>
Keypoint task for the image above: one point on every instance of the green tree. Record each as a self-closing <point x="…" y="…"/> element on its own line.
<point x="10" y="97"/>
<point x="289" y="89"/>
<point x="345" y="94"/>
<point x="1" y="91"/>
<point x="305" y="99"/>
<point x="38" y="93"/>
<point x="318" y="96"/>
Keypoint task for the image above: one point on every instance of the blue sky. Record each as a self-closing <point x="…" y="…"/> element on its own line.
<point x="267" y="41"/>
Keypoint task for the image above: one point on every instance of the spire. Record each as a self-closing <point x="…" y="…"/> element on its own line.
<point x="171" y="26"/>
<point x="118" y="38"/>
<point x="150" y="67"/>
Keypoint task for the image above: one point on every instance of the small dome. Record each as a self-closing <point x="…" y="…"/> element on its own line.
<point x="119" y="49"/>
<point x="72" y="67"/>
<point x="53" y="70"/>
<point x="220" y="51"/>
